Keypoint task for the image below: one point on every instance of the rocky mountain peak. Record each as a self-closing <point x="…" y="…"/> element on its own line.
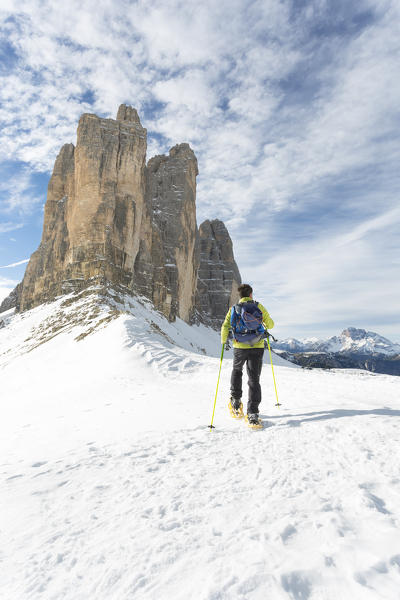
<point x="351" y="340"/>
<point x="128" y="113"/>
<point x="354" y="333"/>
<point x="185" y="152"/>
<point x="219" y="275"/>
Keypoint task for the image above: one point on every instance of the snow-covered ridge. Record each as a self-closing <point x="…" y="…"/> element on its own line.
<point x="78" y="316"/>
<point x="169" y="347"/>
<point x="351" y="340"/>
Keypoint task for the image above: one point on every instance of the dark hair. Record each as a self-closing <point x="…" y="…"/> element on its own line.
<point x="245" y="290"/>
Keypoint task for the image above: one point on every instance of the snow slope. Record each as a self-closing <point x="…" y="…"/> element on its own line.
<point x="112" y="487"/>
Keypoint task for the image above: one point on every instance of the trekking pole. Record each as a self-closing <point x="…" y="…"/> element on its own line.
<point x="273" y="374"/>
<point x="216" y="392"/>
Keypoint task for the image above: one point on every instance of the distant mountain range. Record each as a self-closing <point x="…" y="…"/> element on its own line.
<point x="353" y="348"/>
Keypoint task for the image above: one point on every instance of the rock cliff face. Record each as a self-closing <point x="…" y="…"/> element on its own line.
<point x="94" y="209"/>
<point x="44" y="274"/>
<point x="218" y="275"/>
<point x="112" y="219"/>
<point x="12" y="300"/>
<point x="169" y="251"/>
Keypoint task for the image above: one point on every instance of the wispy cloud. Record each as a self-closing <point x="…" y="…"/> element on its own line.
<point x="7" y="282"/>
<point x="332" y="280"/>
<point x="6" y="286"/>
<point x="17" y="193"/>
<point x="9" y="226"/>
<point x="228" y="85"/>
<point x="384" y="221"/>
<point x="16" y="264"/>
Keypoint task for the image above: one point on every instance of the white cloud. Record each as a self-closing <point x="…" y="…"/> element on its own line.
<point x="4" y="292"/>
<point x="6" y="282"/>
<point x="364" y="228"/>
<point x="190" y="90"/>
<point x="18" y="196"/>
<point x="193" y="57"/>
<point x="9" y="226"/>
<point x="16" y="264"/>
<point x="331" y="280"/>
<point x="6" y="286"/>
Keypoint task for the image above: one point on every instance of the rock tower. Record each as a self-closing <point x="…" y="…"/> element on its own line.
<point x="110" y="218"/>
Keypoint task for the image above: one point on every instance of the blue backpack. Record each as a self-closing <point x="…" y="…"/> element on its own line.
<point x="246" y="322"/>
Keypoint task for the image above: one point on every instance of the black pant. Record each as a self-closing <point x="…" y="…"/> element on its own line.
<point x="253" y="358"/>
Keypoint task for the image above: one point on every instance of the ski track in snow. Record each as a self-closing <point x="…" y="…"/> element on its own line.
<point x="113" y="487"/>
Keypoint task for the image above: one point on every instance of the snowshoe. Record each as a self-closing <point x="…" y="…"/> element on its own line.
<point x="253" y="421"/>
<point x="236" y="413"/>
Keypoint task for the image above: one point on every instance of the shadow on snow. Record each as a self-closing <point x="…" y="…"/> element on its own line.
<point x="332" y="414"/>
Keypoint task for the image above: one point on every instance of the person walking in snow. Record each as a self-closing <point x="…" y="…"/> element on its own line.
<point x="248" y="321"/>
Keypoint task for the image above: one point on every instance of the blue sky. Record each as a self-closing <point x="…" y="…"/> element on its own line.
<point x="292" y="108"/>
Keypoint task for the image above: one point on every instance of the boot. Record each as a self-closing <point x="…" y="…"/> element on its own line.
<point x="253" y="421"/>
<point x="236" y="408"/>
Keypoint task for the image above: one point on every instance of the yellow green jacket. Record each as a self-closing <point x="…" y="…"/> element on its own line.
<point x="226" y="325"/>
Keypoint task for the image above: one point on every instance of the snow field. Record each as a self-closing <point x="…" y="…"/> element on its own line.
<point x="113" y="487"/>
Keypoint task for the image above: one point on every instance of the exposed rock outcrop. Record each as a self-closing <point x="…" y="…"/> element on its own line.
<point x="110" y="219"/>
<point x="171" y="189"/>
<point x="93" y="213"/>
<point x="166" y="266"/>
<point x="218" y="276"/>
<point x="377" y="363"/>
<point x="45" y="274"/>
<point x="12" y="300"/>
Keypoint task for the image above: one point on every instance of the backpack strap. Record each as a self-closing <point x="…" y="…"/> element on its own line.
<point x="236" y="312"/>
<point x="233" y="317"/>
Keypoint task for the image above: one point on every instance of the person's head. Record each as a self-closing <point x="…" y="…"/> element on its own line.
<point x="245" y="290"/>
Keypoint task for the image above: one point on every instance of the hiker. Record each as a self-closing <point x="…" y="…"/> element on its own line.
<point x="248" y="347"/>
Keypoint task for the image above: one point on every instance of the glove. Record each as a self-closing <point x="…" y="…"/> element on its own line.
<point x="269" y="335"/>
<point x="227" y="345"/>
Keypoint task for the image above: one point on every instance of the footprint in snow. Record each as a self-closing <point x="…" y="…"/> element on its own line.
<point x="377" y="503"/>
<point x="41" y="473"/>
<point x="374" y="501"/>
<point x="288" y="533"/>
<point x="14" y="477"/>
<point x="169" y="526"/>
<point x="297" y="585"/>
